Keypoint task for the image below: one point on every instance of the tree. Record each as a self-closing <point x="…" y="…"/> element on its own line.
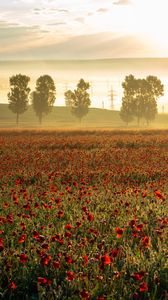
<point x="68" y="98"/>
<point x="44" y="95"/>
<point x="140" y="97"/>
<point x="125" y="113"/>
<point x="18" y="96"/>
<point x="156" y="91"/>
<point x="79" y="99"/>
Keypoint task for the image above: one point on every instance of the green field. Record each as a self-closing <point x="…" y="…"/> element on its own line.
<point x="61" y="117"/>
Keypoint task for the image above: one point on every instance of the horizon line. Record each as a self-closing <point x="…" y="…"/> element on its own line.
<point x="80" y="59"/>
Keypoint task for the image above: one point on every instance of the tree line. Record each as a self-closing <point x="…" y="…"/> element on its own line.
<point x="139" y="97"/>
<point x="43" y="97"/>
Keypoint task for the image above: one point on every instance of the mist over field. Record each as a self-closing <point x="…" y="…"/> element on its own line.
<point x="103" y="75"/>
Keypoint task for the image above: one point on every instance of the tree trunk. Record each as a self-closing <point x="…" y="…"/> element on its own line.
<point x="138" y="120"/>
<point x="17" y="119"/>
<point x="40" y="119"/>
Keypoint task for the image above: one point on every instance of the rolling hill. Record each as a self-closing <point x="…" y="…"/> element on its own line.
<point x="61" y="117"/>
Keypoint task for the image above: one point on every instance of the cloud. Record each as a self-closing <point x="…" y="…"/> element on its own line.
<point x="122" y="2"/>
<point x="49" y="10"/>
<point x="13" y="36"/>
<point x="57" y="24"/>
<point x="90" y="14"/>
<point x="80" y="20"/>
<point x="102" y="10"/>
<point x="93" y="46"/>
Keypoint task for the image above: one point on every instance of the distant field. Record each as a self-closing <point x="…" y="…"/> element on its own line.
<point x="61" y="117"/>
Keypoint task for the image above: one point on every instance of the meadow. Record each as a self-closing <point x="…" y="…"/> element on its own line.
<point x="84" y="214"/>
<point x="61" y="117"/>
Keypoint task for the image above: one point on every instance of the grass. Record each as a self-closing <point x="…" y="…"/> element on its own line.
<point x="61" y="117"/>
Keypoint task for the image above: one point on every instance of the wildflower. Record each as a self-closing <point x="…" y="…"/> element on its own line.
<point x="56" y="264"/>
<point x="115" y="252"/>
<point x="12" y="286"/>
<point x="60" y="214"/>
<point x="143" y="287"/>
<point x="45" y="246"/>
<point x="145" y="241"/>
<point x="138" y="275"/>
<point x="70" y="276"/>
<point x="159" y="195"/>
<point x="68" y="260"/>
<point x="1" y="245"/>
<point x="45" y="260"/>
<point x="42" y="280"/>
<point x="119" y="232"/>
<point x="68" y="226"/>
<point x="139" y="227"/>
<point x="90" y="217"/>
<point x="23" y="258"/>
<point x="105" y="260"/>
<point x="22" y="238"/>
<point x="85" y="295"/>
<point x="68" y="234"/>
<point x="86" y="260"/>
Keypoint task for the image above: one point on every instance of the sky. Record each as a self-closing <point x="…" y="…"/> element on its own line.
<point x="83" y="29"/>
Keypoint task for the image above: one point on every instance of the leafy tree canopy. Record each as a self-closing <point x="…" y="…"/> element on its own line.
<point x="140" y="97"/>
<point x="18" y="95"/>
<point x="79" y="99"/>
<point x="44" y="95"/>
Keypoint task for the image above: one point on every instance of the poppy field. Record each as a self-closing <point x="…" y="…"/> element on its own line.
<point x="84" y="214"/>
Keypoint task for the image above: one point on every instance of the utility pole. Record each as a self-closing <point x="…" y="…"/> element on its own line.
<point x="111" y="96"/>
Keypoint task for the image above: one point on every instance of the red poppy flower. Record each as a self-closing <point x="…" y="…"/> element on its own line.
<point x="143" y="287"/>
<point x="138" y="275"/>
<point x="60" y="214"/>
<point x="114" y="252"/>
<point x="42" y="280"/>
<point x="78" y="224"/>
<point x="23" y="226"/>
<point x="68" y="226"/>
<point x="84" y="208"/>
<point x="12" y="286"/>
<point x="1" y="245"/>
<point x="45" y="260"/>
<point x="119" y="232"/>
<point x="86" y="260"/>
<point x="23" y="258"/>
<point x="105" y="260"/>
<point x="70" y="275"/>
<point x="68" y="260"/>
<point x="68" y="234"/>
<point x="145" y="241"/>
<point x="56" y="264"/>
<point x="22" y="238"/>
<point x="139" y="227"/>
<point x="9" y="218"/>
<point x="159" y="195"/>
<point x="85" y="295"/>
<point x="90" y="217"/>
<point x="15" y="199"/>
<point x="45" y="246"/>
